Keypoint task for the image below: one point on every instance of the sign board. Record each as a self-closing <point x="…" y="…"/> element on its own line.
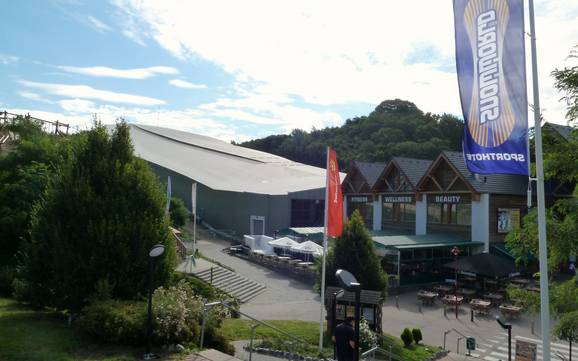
<point x="448" y="198"/>
<point x="508" y="219"/>
<point x="526" y="351"/>
<point x="471" y="343"/>
<point x="398" y="199"/>
<point x="359" y="199"/>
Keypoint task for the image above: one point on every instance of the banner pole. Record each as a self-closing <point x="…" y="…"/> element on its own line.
<point x="324" y="254"/>
<point x="194" y="206"/>
<point x="543" y="251"/>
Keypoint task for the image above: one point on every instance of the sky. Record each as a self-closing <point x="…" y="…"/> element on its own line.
<point x="239" y="70"/>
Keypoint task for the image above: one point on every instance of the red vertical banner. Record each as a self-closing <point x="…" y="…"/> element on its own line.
<point x="334" y="199"/>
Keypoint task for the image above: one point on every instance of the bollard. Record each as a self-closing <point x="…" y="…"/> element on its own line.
<point x="532" y="327"/>
<point x="472" y="315"/>
<point x="397" y="301"/>
<point x="445" y="311"/>
<point x="419" y="307"/>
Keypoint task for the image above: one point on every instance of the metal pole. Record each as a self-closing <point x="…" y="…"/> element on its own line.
<point x="357" y="319"/>
<point x="251" y="342"/>
<point x="333" y="321"/>
<point x="456" y="286"/>
<point x="510" y="343"/>
<point x="324" y="255"/>
<point x="150" y="310"/>
<point x="211" y="275"/>
<point x="203" y="327"/>
<point x="543" y="251"/>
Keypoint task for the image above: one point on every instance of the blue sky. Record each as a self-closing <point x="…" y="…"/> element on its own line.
<point x="241" y="70"/>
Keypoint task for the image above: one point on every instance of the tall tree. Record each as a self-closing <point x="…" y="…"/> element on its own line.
<point x="567" y="82"/>
<point x="98" y="218"/>
<point x="354" y="252"/>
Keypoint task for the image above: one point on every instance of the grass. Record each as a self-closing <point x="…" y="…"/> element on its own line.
<point x="240" y="329"/>
<point x="30" y="335"/>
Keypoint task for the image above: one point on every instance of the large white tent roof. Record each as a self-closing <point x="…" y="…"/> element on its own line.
<point x="223" y="166"/>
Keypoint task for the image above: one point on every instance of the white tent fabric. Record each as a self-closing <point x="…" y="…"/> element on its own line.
<point x="308" y="247"/>
<point x="284" y="242"/>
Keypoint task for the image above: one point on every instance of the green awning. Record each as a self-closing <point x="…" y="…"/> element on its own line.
<point x="422" y="241"/>
<point x="443" y="244"/>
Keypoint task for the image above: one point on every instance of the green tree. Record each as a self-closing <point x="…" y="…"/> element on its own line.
<point x="354" y="252"/>
<point x="178" y="212"/>
<point x="395" y="128"/>
<point x="567" y="329"/>
<point x="561" y="165"/>
<point x="567" y="82"/>
<point x="98" y="218"/>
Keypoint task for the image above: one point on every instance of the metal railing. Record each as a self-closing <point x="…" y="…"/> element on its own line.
<point x="254" y="326"/>
<point x="371" y="353"/>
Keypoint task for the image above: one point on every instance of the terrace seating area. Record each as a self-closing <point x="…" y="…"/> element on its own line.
<point x="483" y="296"/>
<point x="283" y="255"/>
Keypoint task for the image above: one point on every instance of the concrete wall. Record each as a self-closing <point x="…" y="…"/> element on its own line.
<point x="421" y="216"/>
<point x="232" y="211"/>
<point x="481" y="221"/>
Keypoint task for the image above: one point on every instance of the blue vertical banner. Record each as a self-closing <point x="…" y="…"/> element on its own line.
<point x="490" y="59"/>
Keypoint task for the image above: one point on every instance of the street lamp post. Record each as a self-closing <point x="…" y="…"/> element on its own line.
<point x="456" y="252"/>
<point x="333" y="316"/>
<point x="349" y="282"/>
<point x="507" y="326"/>
<point x="154" y="252"/>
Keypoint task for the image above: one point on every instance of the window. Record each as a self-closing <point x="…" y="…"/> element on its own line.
<point x="398" y="212"/>
<point x="364" y="205"/>
<point x="447" y="213"/>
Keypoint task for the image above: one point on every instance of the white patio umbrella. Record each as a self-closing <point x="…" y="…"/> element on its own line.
<point x="308" y="248"/>
<point x="284" y="243"/>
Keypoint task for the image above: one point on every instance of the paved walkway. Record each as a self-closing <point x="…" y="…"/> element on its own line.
<point x="289" y="299"/>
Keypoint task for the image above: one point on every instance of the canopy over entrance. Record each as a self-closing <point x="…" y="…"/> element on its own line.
<point x="484" y="264"/>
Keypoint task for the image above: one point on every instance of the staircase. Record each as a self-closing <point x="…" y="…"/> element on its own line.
<point x="227" y="281"/>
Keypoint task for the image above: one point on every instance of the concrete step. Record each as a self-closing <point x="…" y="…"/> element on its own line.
<point x="230" y="282"/>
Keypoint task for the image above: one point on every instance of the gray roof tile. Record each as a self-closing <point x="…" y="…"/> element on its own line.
<point x="370" y="171"/>
<point x="413" y="168"/>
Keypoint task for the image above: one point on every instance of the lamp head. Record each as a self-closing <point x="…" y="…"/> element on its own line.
<point x="505" y="326"/>
<point x="156" y="250"/>
<point x="347" y="280"/>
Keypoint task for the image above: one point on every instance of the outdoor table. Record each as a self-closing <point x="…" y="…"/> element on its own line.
<point x="304" y="264"/>
<point x="443" y="289"/>
<point x="534" y="289"/>
<point x="466" y="292"/>
<point x="510" y="311"/>
<point x="453" y="300"/>
<point x="294" y="261"/>
<point x="427" y="297"/>
<point x="469" y="279"/>
<point x="494" y="297"/>
<point x="480" y="306"/>
<point x="520" y="281"/>
<point x="491" y="283"/>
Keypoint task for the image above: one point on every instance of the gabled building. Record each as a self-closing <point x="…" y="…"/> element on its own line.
<point x="396" y="191"/>
<point x="358" y="194"/>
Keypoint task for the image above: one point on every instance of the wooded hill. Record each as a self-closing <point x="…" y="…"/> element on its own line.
<point x="395" y="128"/>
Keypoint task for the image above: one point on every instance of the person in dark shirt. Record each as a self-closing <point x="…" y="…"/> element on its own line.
<point x="344" y="340"/>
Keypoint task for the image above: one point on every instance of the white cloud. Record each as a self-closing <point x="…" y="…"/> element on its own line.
<point x="6" y="59"/>
<point x="185" y="84"/>
<point x="328" y="52"/>
<point x="98" y="25"/>
<point x="34" y="96"/>
<point x="88" y="92"/>
<point x="76" y="106"/>
<point x="104" y="71"/>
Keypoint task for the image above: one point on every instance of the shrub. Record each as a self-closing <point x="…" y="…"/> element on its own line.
<point x="178" y="212"/>
<point x="416" y="333"/>
<point x="407" y="337"/>
<point x="367" y="339"/>
<point x="215" y="339"/>
<point x="178" y="312"/>
<point x="113" y="321"/>
<point x="7" y="275"/>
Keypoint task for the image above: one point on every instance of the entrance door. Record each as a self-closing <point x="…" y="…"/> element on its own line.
<point x="257" y="225"/>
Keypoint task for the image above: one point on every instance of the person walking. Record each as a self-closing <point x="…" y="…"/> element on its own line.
<point x="344" y="340"/>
